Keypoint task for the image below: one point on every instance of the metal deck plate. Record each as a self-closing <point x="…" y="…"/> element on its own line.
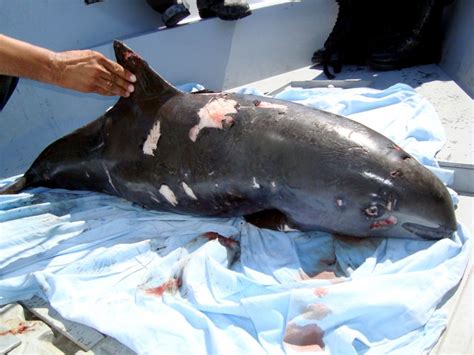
<point x="81" y="335"/>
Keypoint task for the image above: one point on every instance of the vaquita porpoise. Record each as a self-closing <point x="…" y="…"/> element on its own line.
<point x="223" y="154"/>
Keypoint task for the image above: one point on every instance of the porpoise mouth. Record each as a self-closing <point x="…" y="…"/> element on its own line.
<point x="431" y="233"/>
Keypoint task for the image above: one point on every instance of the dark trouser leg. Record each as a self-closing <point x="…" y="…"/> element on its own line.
<point x="421" y="44"/>
<point x="347" y="41"/>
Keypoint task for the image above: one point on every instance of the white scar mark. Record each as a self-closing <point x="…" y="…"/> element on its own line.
<point x="255" y="184"/>
<point x="108" y="176"/>
<point x="168" y="194"/>
<point x="377" y="178"/>
<point x="213" y="114"/>
<point x="265" y="104"/>
<point x="152" y="140"/>
<point x="188" y="191"/>
<point x="154" y="198"/>
<point x="392" y="204"/>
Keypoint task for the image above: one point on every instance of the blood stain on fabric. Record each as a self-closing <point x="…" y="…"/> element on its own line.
<point x="320" y="291"/>
<point x="316" y="311"/>
<point x="171" y="285"/>
<point x="19" y="329"/>
<point x="325" y="275"/>
<point x="304" y="338"/>
<point x="329" y="276"/>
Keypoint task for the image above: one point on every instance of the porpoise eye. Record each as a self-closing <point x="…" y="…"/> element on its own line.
<point x="375" y="211"/>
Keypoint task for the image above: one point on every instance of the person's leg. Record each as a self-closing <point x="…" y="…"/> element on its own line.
<point x="346" y="43"/>
<point x="421" y="44"/>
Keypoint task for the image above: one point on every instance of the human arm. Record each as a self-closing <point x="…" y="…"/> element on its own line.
<point x="80" y="70"/>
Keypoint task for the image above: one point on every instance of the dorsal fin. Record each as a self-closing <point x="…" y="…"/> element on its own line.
<point x="149" y="83"/>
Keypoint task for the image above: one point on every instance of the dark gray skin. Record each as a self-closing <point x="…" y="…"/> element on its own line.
<point x="320" y="170"/>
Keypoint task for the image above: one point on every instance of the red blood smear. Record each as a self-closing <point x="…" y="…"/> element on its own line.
<point x="384" y="223"/>
<point x="20" y="329"/>
<point x="130" y="55"/>
<point x="320" y="291"/>
<point x="158" y="291"/>
<point x="309" y="335"/>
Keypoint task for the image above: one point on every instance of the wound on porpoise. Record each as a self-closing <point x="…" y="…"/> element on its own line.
<point x="214" y="114"/>
<point x="396" y="173"/>
<point x="270" y="105"/>
<point x="132" y="57"/>
<point x="151" y="141"/>
<point x="396" y="147"/>
<point x="390" y="221"/>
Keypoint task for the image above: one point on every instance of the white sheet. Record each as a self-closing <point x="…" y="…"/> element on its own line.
<point x="161" y="283"/>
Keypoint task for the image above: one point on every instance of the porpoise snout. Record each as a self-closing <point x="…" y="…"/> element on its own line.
<point x="436" y="218"/>
<point x="432" y="233"/>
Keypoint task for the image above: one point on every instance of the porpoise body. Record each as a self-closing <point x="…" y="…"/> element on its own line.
<point x="223" y="154"/>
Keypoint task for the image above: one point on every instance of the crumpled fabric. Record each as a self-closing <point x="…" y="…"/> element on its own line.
<point x="174" y="284"/>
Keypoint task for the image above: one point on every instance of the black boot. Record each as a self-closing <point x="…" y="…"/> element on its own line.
<point x="345" y="43"/>
<point x="224" y="9"/>
<point x="421" y="44"/>
<point x="172" y="11"/>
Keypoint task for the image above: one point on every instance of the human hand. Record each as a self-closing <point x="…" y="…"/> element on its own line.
<point x="90" y="71"/>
